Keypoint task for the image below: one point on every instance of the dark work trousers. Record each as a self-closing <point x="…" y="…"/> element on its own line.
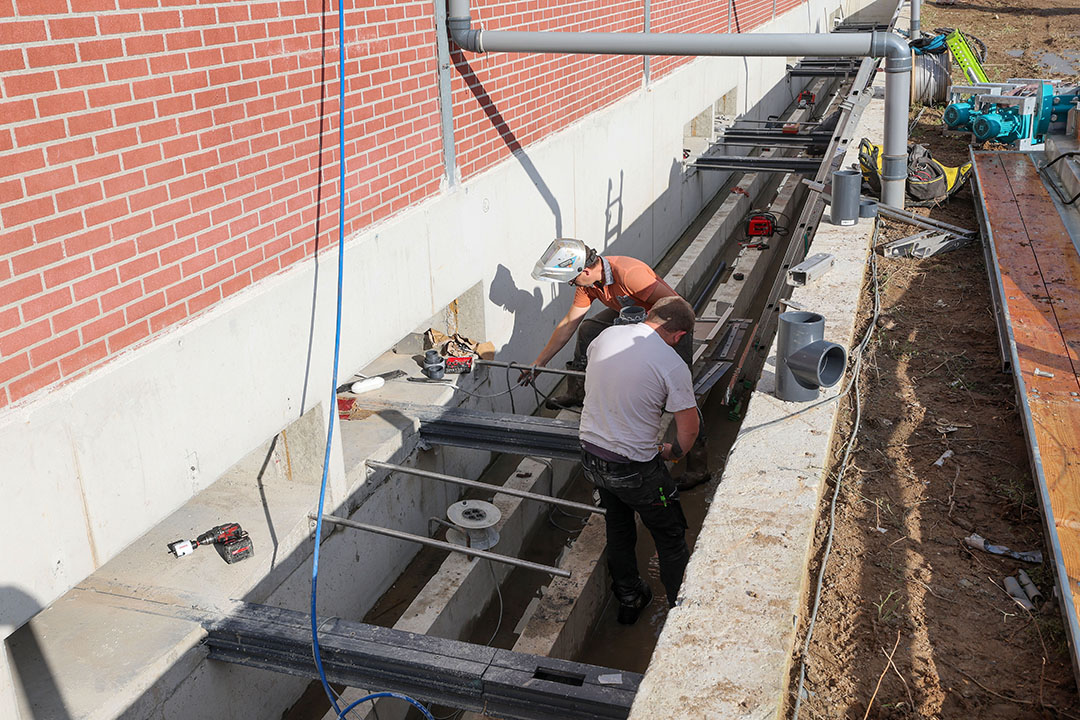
<point x="590" y="327"/>
<point x="647" y="489"/>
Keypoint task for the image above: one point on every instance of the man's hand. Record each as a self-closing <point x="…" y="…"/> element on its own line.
<point x="667" y="452"/>
<point x="527" y="377"/>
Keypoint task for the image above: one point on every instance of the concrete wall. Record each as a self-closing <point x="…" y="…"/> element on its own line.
<point x="99" y="460"/>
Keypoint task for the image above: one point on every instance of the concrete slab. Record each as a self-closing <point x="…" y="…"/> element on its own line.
<point x="725" y="651"/>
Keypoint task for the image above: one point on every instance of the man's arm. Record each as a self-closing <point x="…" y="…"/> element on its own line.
<point x="686" y="432"/>
<point x="559" y="337"/>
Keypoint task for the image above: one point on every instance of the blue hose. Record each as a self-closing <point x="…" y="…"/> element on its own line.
<point x="333" y="391"/>
<point x="376" y="695"/>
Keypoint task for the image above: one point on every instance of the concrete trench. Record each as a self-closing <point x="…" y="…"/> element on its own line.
<point x="451" y="601"/>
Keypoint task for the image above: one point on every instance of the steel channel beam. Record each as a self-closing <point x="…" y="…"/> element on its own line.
<point x="759" y="164"/>
<point x="497" y="489"/>
<point x="430" y="542"/>
<point x="430" y="669"/>
<point x="822" y="72"/>
<point x="496" y="432"/>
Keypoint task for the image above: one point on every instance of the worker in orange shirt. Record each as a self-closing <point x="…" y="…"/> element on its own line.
<point x="617" y="282"/>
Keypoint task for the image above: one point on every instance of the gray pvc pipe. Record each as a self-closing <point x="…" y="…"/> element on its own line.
<point x="874" y="44"/>
<point x="916" y="10"/>
<point x="804" y="361"/>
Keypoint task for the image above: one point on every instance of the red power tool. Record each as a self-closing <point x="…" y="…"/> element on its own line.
<point x="235" y="543"/>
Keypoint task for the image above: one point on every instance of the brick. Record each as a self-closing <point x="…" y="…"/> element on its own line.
<point x="201" y="302"/>
<point x="131" y="114"/>
<point x="61" y="103"/>
<point x="168" y="64"/>
<point x="177" y="252"/>
<point x="22" y="32"/>
<point x="130" y="226"/>
<point x="223" y="35"/>
<point x="89" y="123"/>
<point x="93" y="169"/>
<point x="127" y="69"/>
<point x="51" y="55"/>
<point x="103" y="213"/>
<point x="174" y="105"/>
<point x="128" y="336"/>
<point x="143" y="45"/>
<point x="115" y="253"/>
<point x="139" y="266"/>
<point x="167" y="317"/>
<point x="72" y="27"/>
<point x="47" y="303"/>
<point x="14" y="367"/>
<point x="41" y="132"/>
<point x="10" y="191"/>
<point x="60" y="153"/>
<point x="84" y="358"/>
<point x="73" y="317"/>
<point x="124" y="184"/>
<point x="265" y="269"/>
<point x="12" y="60"/>
<point x="49" y="351"/>
<point x="67" y="272"/>
<point x="26" y="211"/>
<point x="172" y="211"/>
<point x="100" y="328"/>
<point x="109" y="95"/>
<point x="188" y="82"/>
<point x="87" y="241"/>
<point x="27" y="262"/>
<point x="24" y="162"/>
<point x="164" y="20"/>
<point x="18" y="111"/>
<point x="41" y="7"/>
<point x="196" y="264"/>
<point x="58" y="227"/>
<point x="118" y="140"/>
<point x="193" y="225"/>
<point x="119" y="24"/>
<point x="186" y="289"/>
<point x="146" y="306"/>
<point x="24" y="336"/>
<point x="27" y="83"/>
<point x="235" y="284"/>
<point x="147" y="198"/>
<point x="37" y="380"/>
<point x="152" y="87"/>
<point x="9" y="319"/>
<point x="49" y="180"/>
<point x="161" y="279"/>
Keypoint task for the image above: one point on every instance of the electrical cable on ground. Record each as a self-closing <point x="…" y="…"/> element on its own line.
<point x="316" y="654"/>
<point x="856" y="370"/>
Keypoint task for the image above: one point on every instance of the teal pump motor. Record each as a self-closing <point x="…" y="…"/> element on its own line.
<point x="1002" y="124"/>
<point x="1021" y="115"/>
<point x="958" y="114"/>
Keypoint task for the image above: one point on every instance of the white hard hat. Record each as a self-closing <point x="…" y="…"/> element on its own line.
<point x="563" y="260"/>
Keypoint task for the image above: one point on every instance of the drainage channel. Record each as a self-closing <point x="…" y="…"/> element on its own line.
<point x="448" y="595"/>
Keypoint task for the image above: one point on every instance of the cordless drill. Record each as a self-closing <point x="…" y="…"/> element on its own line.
<point x="234" y="541"/>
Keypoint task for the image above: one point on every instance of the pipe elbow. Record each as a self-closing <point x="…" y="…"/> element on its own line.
<point x="462" y="33"/>
<point x="890" y="46"/>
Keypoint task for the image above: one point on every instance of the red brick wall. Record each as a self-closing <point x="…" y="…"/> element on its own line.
<point x="162" y="155"/>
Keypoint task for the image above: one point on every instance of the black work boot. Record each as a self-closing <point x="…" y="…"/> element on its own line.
<point x="574" y="396"/>
<point x="632" y="602"/>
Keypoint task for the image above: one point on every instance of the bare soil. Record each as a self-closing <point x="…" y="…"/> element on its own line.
<point x="900" y="583"/>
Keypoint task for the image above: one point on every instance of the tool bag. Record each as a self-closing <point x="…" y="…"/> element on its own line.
<point x="929" y="182"/>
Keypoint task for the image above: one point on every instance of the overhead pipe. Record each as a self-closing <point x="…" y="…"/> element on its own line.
<point x="890" y="46"/>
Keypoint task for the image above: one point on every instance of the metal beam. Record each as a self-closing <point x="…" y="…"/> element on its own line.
<point x="497" y="489"/>
<point x="496" y="432"/>
<point x="431" y="542"/>
<point x="434" y="670"/>
<point x="759" y="164"/>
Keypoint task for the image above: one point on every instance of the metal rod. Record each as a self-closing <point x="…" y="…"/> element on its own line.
<point x="534" y="368"/>
<point x="494" y="557"/>
<point x="497" y="489"/>
<point x="921" y="221"/>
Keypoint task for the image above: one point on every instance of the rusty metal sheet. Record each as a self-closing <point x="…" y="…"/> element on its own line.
<point x="1037" y="270"/>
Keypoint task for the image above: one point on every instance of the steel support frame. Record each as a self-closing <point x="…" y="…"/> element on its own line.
<point x="430" y="669"/>
<point x="758" y="164"/>
<point x="495" y="432"/>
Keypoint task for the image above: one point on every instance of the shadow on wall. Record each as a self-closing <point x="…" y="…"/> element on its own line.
<point x="31" y="676"/>
<point x="319" y="180"/>
<point x="499" y="123"/>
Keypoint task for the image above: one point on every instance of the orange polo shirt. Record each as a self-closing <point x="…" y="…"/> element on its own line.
<point x="627" y="281"/>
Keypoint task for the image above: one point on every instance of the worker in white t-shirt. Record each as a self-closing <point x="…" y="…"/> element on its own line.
<point x="632" y="377"/>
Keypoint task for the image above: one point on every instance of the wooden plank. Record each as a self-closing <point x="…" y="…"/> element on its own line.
<point x="1039" y="274"/>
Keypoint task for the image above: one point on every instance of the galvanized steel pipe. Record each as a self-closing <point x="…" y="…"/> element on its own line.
<point x="873" y="44"/>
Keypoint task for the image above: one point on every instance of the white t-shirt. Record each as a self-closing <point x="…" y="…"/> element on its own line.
<point x="631" y="378"/>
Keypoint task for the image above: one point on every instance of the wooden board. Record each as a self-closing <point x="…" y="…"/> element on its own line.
<point x="1037" y="270"/>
